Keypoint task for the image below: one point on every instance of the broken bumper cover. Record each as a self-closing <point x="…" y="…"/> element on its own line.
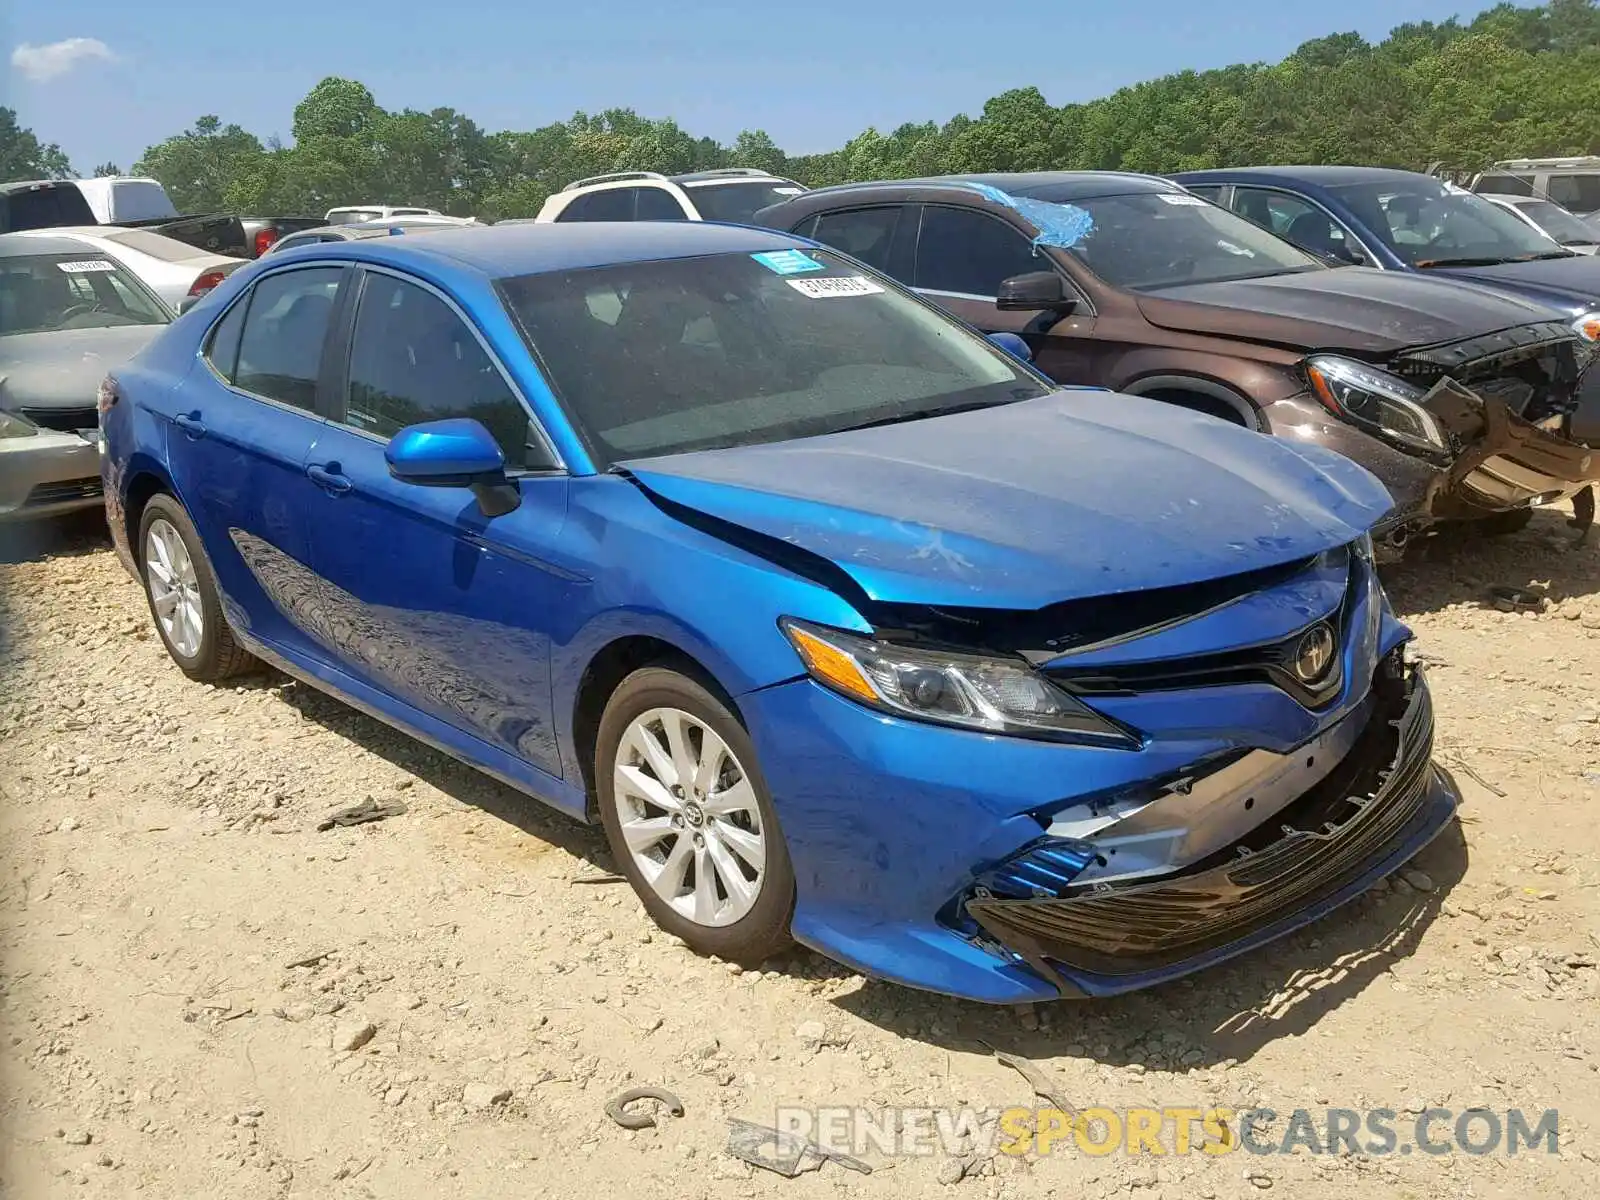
<point x="1383" y="803"/>
<point x="1499" y="462"/>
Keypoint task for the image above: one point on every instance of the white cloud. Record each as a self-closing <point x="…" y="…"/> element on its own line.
<point x="43" y="63"/>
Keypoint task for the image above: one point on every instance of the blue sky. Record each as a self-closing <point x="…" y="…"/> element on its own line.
<point x="143" y="71"/>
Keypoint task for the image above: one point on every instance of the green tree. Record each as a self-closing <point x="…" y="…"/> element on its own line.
<point x="196" y="167"/>
<point x="23" y="156"/>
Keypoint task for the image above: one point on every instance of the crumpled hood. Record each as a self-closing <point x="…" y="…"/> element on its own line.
<point x="1077" y="494"/>
<point x="64" y="369"/>
<point x="1572" y="284"/>
<point x="1356" y="309"/>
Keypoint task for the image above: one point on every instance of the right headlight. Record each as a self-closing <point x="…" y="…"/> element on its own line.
<point x="1382" y="402"/>
<point x="13" y="426"/>
<point x="988" y="694"/>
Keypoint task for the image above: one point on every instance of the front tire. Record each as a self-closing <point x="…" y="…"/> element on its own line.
<point x="183" y="597"/>
<point x="689" y="818"/>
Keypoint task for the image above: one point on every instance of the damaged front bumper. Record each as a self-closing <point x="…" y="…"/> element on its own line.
<point x="1097" y="931"/>
<point x="1519" y="411"/>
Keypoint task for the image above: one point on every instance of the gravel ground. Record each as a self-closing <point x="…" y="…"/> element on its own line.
<point x="465" y="1002"/>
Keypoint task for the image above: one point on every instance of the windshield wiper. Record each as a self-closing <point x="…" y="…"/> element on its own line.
<point x="944" y="410"/>
<point x="1496" y="261"/>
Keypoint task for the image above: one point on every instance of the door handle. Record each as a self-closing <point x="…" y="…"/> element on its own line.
<point x="328" y="481"/>
<point x="191" y="424"/>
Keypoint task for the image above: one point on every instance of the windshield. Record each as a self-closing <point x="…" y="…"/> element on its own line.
<point x="656" y="358"/>
<point x="1145" y="241"/>
<point x="1558" y="223"/>
<point x="1431" y="224"/>
<point x="738" y="202"/>
<point x="47" y="293"/>
<point x="352" y="216"/>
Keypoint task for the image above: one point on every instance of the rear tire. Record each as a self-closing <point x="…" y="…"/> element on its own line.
<point x="689" y="819"/>
<point x="182" y="593"/>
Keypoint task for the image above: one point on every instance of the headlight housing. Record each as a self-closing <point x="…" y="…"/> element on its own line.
<point x="1588" y="326"/>
<point x="970" y="691"/>
<point x="1374" y="399"/>
<point x="13" y="426"/>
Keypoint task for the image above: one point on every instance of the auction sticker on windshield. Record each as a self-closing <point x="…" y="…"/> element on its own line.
<point x="788" y="262"/>
<point x="842" y="285"/>
<point x="87" y="264"/>
<point x="1180" y="198"/>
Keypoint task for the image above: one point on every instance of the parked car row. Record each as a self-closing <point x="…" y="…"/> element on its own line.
<point x="1013" y="667"/>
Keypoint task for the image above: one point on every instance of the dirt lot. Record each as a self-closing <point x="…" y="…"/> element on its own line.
<point x="163" y="872"/>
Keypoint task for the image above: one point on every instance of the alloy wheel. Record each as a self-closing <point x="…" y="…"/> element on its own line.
<point x="689" y="816"/>
<point x="174" y="588"/>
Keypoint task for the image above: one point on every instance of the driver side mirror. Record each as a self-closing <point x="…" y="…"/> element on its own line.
<point x="1034" y="291"/>
<point x="458" y="452"/>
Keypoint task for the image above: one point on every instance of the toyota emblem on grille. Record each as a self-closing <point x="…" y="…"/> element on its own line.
<point x="1314" y="654"/>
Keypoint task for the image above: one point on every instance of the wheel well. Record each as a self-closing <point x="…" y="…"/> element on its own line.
<point x="144" y="486"/>
<point x="605" y="673"/>
<point x="1206" y="401"/>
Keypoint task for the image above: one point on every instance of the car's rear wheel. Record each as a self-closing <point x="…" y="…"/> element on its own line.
<point x="183" y="596"/>
<point x="689" y="818"/>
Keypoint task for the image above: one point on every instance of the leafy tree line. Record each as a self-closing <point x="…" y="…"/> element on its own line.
<point x="1511" y="82"/>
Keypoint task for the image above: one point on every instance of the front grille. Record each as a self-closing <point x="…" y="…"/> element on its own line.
<point x="1534" y="370"/>
<point x="63" y="420"/>
<point x="60" y="493"/>
<point x="1272" y="663"/>
<point x="1318" y="845"/>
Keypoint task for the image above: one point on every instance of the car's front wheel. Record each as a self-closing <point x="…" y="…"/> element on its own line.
<point x="183" y="594"/>
<point x="689" y="818"/>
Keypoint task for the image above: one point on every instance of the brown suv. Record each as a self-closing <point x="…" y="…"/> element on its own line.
<point x="1459" y="399"/>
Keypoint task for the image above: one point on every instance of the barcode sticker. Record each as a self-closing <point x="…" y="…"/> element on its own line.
<point x="839" y="285"/>
<point x="1180" y="198"/>
<point x="87" y="264"/>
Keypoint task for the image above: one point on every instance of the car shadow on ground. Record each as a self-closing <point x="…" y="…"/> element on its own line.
<point x="1225" y="1014"/>
<point x="1459" y="566"/>
<point x="456" y="780"/>
<point x="62" y="537"/>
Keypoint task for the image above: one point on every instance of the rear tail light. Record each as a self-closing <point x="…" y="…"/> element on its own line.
<point x="109" y="394"/>
<point x="264" y="240"/>
<point x="207" y="281"/>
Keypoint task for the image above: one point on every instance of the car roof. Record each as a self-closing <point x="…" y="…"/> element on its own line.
<point x="14" y="246"/>
<point x="501" y="251"/>
<point x="1062" y="185"/>
<point x="722" y="175"/>
<point x="1318" y="176"/>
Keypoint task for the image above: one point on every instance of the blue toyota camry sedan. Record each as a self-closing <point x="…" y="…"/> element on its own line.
<point x="848" y="626"/>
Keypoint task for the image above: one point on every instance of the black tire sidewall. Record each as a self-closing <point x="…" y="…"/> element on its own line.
<point x="205" y="664"/>
<point x="764" y="930"/>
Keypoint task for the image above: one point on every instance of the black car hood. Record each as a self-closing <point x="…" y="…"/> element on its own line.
<point x="1355" y="309"/>
<point x="64" y="369"/>
<point x="1569" y="283"/>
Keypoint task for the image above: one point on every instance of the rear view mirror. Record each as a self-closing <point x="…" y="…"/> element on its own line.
<point x="458" y="452"/>
<point x="1034" y="291"/>
<point x="1013" y="345"/>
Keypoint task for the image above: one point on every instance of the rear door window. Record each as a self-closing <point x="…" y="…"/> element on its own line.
<point x="1578" y="193"/>
<point x="612" y="204"/>
<point x="1505" y="185"/>
<point x="864" y="233"/>
<point x="970" y="253"/>
<point x="658" y="204"/>
<point x="280" y="347"/>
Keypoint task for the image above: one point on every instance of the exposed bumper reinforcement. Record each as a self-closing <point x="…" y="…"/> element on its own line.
<point x="1382" y="798"/>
